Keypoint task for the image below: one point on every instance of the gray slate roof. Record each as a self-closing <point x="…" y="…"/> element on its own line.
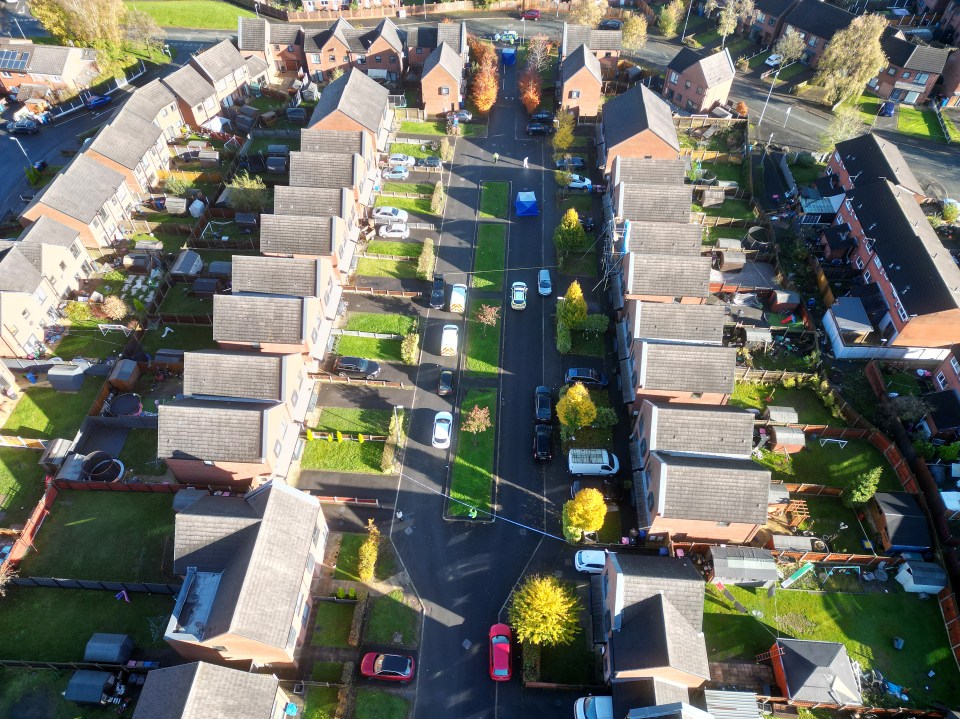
<point x="906" y="522"/>
<point x="679" y="323"/>
<point x="574" y="36"/>
<point x="716" y="67"/>
<point x="18" y="271"/>
<point x="211" y="431"/>
<point x="313" y="201"/>
<point x="297" y="277"/>
<point x="578" y="60"/>
<point x="47" y="231"/>
<point x="254" y="318"/>
<point x="675" y="577"/>
<point x="47" y="59"/>
<point x="98" y="182"/>
<point x="310" y="169"/>
<point x="431" y="36"/>
<point x="665" y="238"/>
<point x="818" y="672"/>
<point x="357" y="96"/>
<point x="819" y="18"/>
<point x="446" y="58"/>
<point x="210" y="532"/>
<point x="711" y="489"/>
<point x="149" y="100"/>
<point x="339" y="142"/>
<point x="743" y="563"/>
<point x="300" y="234"/>
<point x="219" y="61"/>
<point x="774" y="7"/>
<point x="668" y="275"/>
<point x="256" y="66"/>
<point x="911" y="56"/>
<point x="189" y="85"/>
<point x="127" y="139"/>
<point x="654" y="203"/>
<point x="869" y="158"/>
<point x="284" y="33"/>
<point x="200" y="691"/>
<point x="242" y="375"/>
<point x="252" y="34"/>
<point x="688" y="368"/>
<point x="388" y="30"/>
<point x="648" y="171"/>
<point x="342" y="31"/>
<point x="635" y="111"/>
<point x="701" y="429"/>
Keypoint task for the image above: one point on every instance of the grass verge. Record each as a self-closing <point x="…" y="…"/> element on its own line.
<point x="490" y="257"/>
<point x="919" y="122"/>
<point x="347" y="456"/>
<point x="831" y="465"/>
<point x="493" y="200"/>
<point x="348" y="561"/>
<point x="419" y="205"/>
<point x="392" y="620"/>
<point x="376" y="704"/>
<point x="332" y="625"/>
<point x="397" y="269"/>
<point x="205" y="14"/>
<point x="483" y="345"/>
<point x="472" y="479"/>
<point x="400" y="249"/>
<point x="439" y="127"/>
<point x="580" y="263"/>
<point x="321" y="702"/>
<point x="42" y="412"/>
<point x="21" y="483"/>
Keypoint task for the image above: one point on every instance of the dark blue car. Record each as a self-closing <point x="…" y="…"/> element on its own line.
<point x="589" y="378"/>
<point x="95" y="101"/>
<point x="887" y="108"/>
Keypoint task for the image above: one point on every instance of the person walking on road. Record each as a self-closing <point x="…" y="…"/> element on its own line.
<point x="496" y="158"/>
<point x="526" y="163"/>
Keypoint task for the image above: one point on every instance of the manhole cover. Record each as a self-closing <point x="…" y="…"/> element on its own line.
<point x="408" y="531"/>
<point x="466" y="644"/>
<point x="397" y="638"/>
<point x="523" y="532"/>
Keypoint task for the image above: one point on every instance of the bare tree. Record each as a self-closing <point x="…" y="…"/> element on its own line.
<point x="140" y="28"/>
<point x="731" y="15"/>
<point x="790" y="47"/>
<point x="852" y="58"/>
<point x="538" y="52"/>
<point x="846" y="123"/>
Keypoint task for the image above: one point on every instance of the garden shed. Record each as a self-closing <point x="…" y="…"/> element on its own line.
<point x="112" y="648"/>
<point x="818" y="672"/>
<point x="746" y="566"/>
<point x="900" y="522"/>
<point x="778" y="414"/>
<point x="67" y="377"/>
<point x="187" y="264"/>
<point x="221" y="268"/>
<point x="177" y="206"/>
<point x="88" y="687"/>
<point x="125" y="374"/>
<point x="787" y="439"/>
<point x="921" y="577"/>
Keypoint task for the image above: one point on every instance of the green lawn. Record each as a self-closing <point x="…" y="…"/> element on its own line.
<point x="738" y="209"/>
<point x="348" y="456"/>
<point x="391" y="618"/>
<point x="55" y="624"/>
<point x="320" y="702"/>
<point x="483" y="344"/>
<point x="581" y="263"/>
<point x="183" y="337"/>
<point x="583" y="204"/>
<point x="422" y="188"/>
<point x="326" y="672"/>
<point x="588" y="344"/>
<point x="88" y="536"/>
<point x="757" y="61"/>
<point x="206" y="14"/>
<point x="86" y="340"/>
<point x="39" y="693"/>
<point x="419" y="205"/>
<point x="952" y="130"/>
<point x="472" y="478"/>
<point x="572" y="663"/>
<point x="42" y="412"/>
<point x="369" y="348"/>
<point x="139" y="453"/>
<point x="348" y="560"/>
<point x="804" y="176"/>
<point x="377" y="704"/>
<point x="396" y="269"/>
<point x="612" y="529"/>
<point x="919" y="122"/>
<point x="832" y="466"/>
<point x="180" y="300"/>
<point x="790" y="72"/>
<point x="868" y="105"/>
<point x="348" y="419"/>
<point x="419" y="151"/>
<point x="810" y="409"/>
<point x="826" y="515"/>
<point x="439" y="127"/>
<point x="388" y="324"/>
<point x="490" y="257"/>
<point x="494" y="200"/>
<point x="400" y="249"/>
<point x="712" y="234"/>
<point x="723" y="170"/>
<point x="332" y="625"/>
<point x="260" y="144"/>
<point x="21" y="484"/>
<point x="864" y="623"/>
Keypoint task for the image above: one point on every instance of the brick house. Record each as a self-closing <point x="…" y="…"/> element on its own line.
<point x="682" y="373"/>
<point x="331" y="142"/>
<point x="912" y="72"/>
<point x="334" y="172"/>
<point x="277" y="324"/>
<point x="248" y="564"/>
<point x="424" y="39"/>
<point x="698" y="83"/>
<point x="868" y="158"/>
<point x="581" y="83"/>
<point x="309" y="235"/>
<point x="228" y="71"/>
<point x="947" y="374"/>
<point x="156" y="103"/>
<point x="384" y="56"/>
<point x="180" y="692"/>
<point x="817" y="22"/>
<point x="605" y="45"/>
<point x="279" y="45"/>
<point x="767" y="22"/>
<point x="95" y="212"/>
<point x="355" y="102"/>
<point x="63" y="70"/>
<point x="196" y="98"/>
<point x="133" y="147"/>
<point x="379" y="52"/>
<point x="37" y="271"/>
<point x="950" y="22"/>
<point x="441" y="81"/>
<point x="950" y="86"/>
<point x="636" y="124"/>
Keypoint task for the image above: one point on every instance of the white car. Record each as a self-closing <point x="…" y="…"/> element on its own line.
<point x="544" y="283"/>
<point x="401" y="159"/>
<point x="774" y="60"/>
<point x="396" y="173"/>
<point x="579" y="182"/>
<point x="396" y="231"/>
<point x="390" y="213"/>
<point x="507" y="36"/>
<point x="593" y="708"/>
<point x="442" y="430"/>
<point x="589" y="561"/>
<point x="518" y="295"/>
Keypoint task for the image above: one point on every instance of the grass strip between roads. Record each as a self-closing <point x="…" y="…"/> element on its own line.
<point x="493" y="200"/>
<point x="200" y="14"/>
<point x="490" y="257"/>
<point x="439" y="128"/>
<point x="483" y="344"/>
<point x="472" y="478"/>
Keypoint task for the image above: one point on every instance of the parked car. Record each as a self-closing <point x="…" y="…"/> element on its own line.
<point x="401" y="159"/>
<point x="396" y="230"/>
<point x="390" y="213"/>
<point x="507" y="36"/>
<point x="589" y="378"/>
<point x="544" y="283"/>
<point x="442" y="430"/>
<point x="543" y="404"/>
<point x="389" y="667"/>
<point x="94" y="101"/>
<point x="571" y="163"/>
<point x="611" y="25"/>
<point x="396" y="173"/>
<point x="449" y="340"/>
<point x="579" y="182"/>
<point x="428" y="161"/>
<point x="587" y="223"/>
<point x="542" y="442"/>
<point x="438" y="292"/>
<point x="460" y="115"/>
<point x="445" y="383"/>
<point x="610" y="490"/>
<point x="530" y="15"/>
<point x="774" y="60"/>
<point x="542" y="116"/>
<point x="589" y="561"/>
<point x="518" y="295"/>
<point x="592" y="462"/>
<point x="887" y="109"/>
<point x="356" y="367"/>
<point x="538" y="128"/>
<point x="458" y="299"/>
<point x="593" y="708"/>
<point x="26" y="126"/>
<point x="501" y="666"/>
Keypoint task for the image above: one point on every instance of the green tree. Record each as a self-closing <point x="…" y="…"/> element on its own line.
<point x="575" y="408"/>
<point x="670" y="15"/>
<point x="950" y="212"/>
<point x="88" y="23"/>
<point x="573" y="310"/>
<point x="569" y="234"/>
<point x="864" y="487"/>
<point x="336" y="74"/>
<point x="368" y="552"/>
<point x="439" y="199"/>
<point x="545" y="611"/>
<point x="587" y="13"/>
<point x="248" y="193"/>
<point x="563" y="138"/>
<point x="634" y="32"/>
<point x="587" y="510"/>
<point x="852" y="58"/>
<point x="732" y="14"/>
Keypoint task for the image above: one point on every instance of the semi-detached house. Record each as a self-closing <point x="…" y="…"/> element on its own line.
<point x="441" y="81"/>
<point x="698" y="83"/>
<point x="424" y="39"/>
<point x="912" y="72"/>
<point x="279" y="45"/>
<point x="60" y="70"/>
<point x="379" y="52"/>
<point x="581" y="83"/>
<point x="355" y="102"/>
<point x="604" y="45"/>
<point x="636" y="124"/>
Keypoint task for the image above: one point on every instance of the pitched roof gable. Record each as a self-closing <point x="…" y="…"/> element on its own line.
<point x="212" y="431"/>
<point x="573" y="36"/>
<point x="240" y="375"/>
<point x="819" y="18"/>
<point x="712" y="489"/>
<point x="99" y="184"/>
<point x="126" y="139"/>
<point x="637" y="110"/>
<point x="580" y="59"/>
<point x="297" y="277"/>
<point x="675" y="577"/>
<point x="357" y="96"/>
<point x="701" y="429"/>
<point x="869" y="158"/>
<point x="300" y="234"/>
<point x="263" y="319"/>
<point x="716" y="67"/>
<point x="189" y="85"/>
<point x="219" y="62"/>
<point x="675" y="322"/>
<point x="445" y="58"/>
<point x="688" y="368"/>
<point x="200" y="690"/>
<point x="665" y="275"/>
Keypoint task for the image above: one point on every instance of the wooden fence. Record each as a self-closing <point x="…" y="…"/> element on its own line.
<point x="334" y="379"/>
<point x="794" y="555"/>
<point x="7" y="440"/>
<point x="57" y="583"/>
<point x="731" y="158"/>
<point x="702" y="218"/>
<point x="360" y="290"/>
<point x="142" y="487"/>
<point x="770" y="376"/>
<point x="697" y="121"/>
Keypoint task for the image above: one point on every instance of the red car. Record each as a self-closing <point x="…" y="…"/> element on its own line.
<point x="500" y="665"/>
<point x="389" y="667"/>
<point x="531" y="15"/>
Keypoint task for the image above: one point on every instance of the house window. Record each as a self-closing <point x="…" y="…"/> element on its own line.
<point x="760" y="17"/>
<point x="306" y="613"/>
<point x="393" y="59"/>
<point x="574" y="94"/>
<point x="219" y="649"/>
<point x="378" y="58"/>
<point x="687" y="84"/>
<point x="444" y="90"/>
<point x="311" y="564"/>
<point x="674" y="78"/>
<point x="346" y="58"/>
<point x="941" y="380"/>
<point x="333" y="58"/>
<point x="921" y="78"/>
<point x="956" y="365"/>
<point x="419" y="51"/>
<point x="813" y="41"/>
<point x="866" y="276"/>
<point x="773" y="21"/>
<point x="277" y="447"/>
<point x="699" y="90"/>
<point x="292" y="637"/>
<point x="315" y="334"/>
<point x="326" y="295"/>
<point x="723" y="524"/>
<point x="905" y="75"/>
<point x="696" y="395"/>
<point x="877" y="262"/>
<point x="361" y="59"/>
<point x="315" y="59"/>
<point x="859" y="263"/>
<point x="609" y="54"/>
<point x="891" y="70"/>
<point x="63" y="266"/>
<point x="5" y="74"/>
<point x="295" y="398"/>
<point x="902" y="312"/>
<point x="26" y="314"/>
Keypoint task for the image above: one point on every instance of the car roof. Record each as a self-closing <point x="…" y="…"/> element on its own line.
<point x="592" y="556"/>
<point x="394" y="663"/>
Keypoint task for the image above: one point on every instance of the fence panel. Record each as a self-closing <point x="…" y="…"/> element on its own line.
<point x="58" y="583"/>
<point x="149" y="487"/>
<point x="32" y="526"/>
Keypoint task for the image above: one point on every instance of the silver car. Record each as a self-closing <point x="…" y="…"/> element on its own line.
<point x="544" y="284"/>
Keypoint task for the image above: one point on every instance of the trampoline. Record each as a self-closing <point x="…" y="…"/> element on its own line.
<point x="126" y="405"/>
<point x="101" y="467"/>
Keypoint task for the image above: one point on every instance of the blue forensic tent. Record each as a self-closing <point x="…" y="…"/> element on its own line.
<point x="509" y="56"/>
<point x="526" y="205"/>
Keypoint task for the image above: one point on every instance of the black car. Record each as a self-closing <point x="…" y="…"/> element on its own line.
<point x="428" y="161"/>
<point x="26" y="126"/>
<point x="611" y="25"/>
<point x="543" y="405"/>
<point x="589" y="378"/>
<point x="437" y="293"/>
<point x="445" y="383"/>
<point x="543" y="117"/>
<point x="588" y="224"/>
<point x="356" y="367"/>
<point x="537" y="128"/>
<point x="542" y="442"/>
<point x="609" y="490"/>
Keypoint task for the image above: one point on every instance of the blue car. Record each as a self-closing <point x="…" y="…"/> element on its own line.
<point x="95" y="101"/>
<point x="887" y="108"/>
<point x="589" y="378"/>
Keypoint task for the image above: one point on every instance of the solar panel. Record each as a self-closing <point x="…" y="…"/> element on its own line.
<point x="14" y="60"/>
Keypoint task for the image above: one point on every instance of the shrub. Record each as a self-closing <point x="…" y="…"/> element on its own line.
<point x="743" y="65"/>
<point x="114" y="276"/>
<point x="356" y="625"/>
<point x="950" y="211"/>
<point x="924" y="449"/>
<point x="439" y="199"/>
<point x="428" y="260"/>
<point x="805" y="159"/>
<point x="788" y="383"/>
<point x="394" y="439"/>
<point x="410" y="348"/>
<point x="935" y="221"/>
<point x="368" y="552"/>
<point x="531" y="662"/>
<point x="446" y="150"/>
<point x="949" y="452"/>
<point x="78" y="312"/>
<point x="564" y="339"/>
<point x="864" y="487"/>
<point x="341" y="593"/>
<point x="352" y="593"/>
<point x="176" y="186"/>
<point x="115" y="308"/>
<point x="606" y="417"/>
<point x="596" y="323"/>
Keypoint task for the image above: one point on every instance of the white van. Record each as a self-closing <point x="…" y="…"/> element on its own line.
<point x="595" y="462"/>
<point x="593" y="708"/>
<point x="458" y="299"/>
<point x="449" y="340"/>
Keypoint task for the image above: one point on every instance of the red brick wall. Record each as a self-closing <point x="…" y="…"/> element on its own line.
<point x="588" y="104"/>
<point x="643" y="144"/>
<point x="433" y="102"/>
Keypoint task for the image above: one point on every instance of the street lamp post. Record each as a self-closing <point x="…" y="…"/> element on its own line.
<point x="22" y="150"/>
<point x="686" y="20"/>
<point x="523" y="30"/>
<point x="772" y="84"/>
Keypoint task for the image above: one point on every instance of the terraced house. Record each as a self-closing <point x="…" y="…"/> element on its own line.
<point x="134" y="147"/>
<point x="355" y="102"/>
<point x="156" y="103"/>
<point x="379" y="52"/>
